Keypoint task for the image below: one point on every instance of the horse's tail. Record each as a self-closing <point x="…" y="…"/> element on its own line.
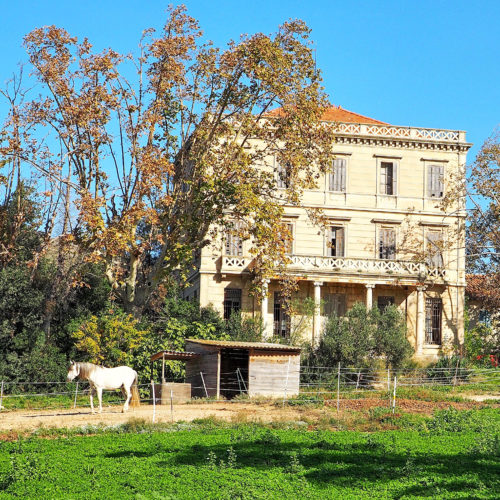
<point x="135" y="400"/>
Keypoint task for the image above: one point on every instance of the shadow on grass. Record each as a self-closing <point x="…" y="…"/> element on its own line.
<point x="364" y="464"/>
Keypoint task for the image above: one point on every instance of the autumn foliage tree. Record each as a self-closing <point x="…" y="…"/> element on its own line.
<point x="152" y="150"/>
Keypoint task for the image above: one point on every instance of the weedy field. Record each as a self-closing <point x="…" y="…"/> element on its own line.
<point x="451" y="454"/>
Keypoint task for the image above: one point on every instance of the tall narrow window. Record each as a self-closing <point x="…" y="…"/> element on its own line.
<point x="281" y="317"/>
<point x="383" y="301"/>
<point x="288" y="241"/>
<point x="435" y="184"/>
<point x="387" y="243"/>
<point x="387" y="178"/>
<point x="335" y="304"/>
<point x="433" y="314"/>
<point x="434" y="248"/>
<point x="234" y="243"/>
<point x="232" y="301"/>
<point x="282" y="175"/>
<point x="337" y="177"/>
<point x="336" y="242"/>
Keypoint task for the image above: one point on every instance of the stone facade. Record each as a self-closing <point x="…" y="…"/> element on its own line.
<point x="383" y="204"/>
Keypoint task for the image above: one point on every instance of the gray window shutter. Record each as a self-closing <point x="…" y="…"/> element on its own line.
<point x="394" y="178"/>
<point x="383" y="174"/>
<point x="340" y="242"/>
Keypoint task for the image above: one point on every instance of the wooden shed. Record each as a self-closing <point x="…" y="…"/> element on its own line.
<point x="226" y="369"/>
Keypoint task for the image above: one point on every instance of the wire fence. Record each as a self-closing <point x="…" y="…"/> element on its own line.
<point x="294" y="386"/>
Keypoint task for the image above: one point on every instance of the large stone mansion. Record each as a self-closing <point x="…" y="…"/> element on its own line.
<point x="382" y="196"/>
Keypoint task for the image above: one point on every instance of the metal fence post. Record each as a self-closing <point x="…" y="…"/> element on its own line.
<point x="394" y="397"/>
<point x="338" y="387"/>
<point x="154" y="400"/>
<point x="76" y="394"/>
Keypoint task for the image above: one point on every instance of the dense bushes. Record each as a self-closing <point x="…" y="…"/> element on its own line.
<point x="361" y="337"/>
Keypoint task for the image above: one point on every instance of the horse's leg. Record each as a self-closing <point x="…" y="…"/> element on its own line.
<point x="99" y="395"/>
<point x="92" y="398"/>
<point x="128" y="394"/>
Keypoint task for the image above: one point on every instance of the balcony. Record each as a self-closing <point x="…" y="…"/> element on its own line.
<point x="375" y="267"/>
<point x="344" y="265"/>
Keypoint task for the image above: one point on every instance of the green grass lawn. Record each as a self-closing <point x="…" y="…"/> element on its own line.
<point x="451" y="455"/>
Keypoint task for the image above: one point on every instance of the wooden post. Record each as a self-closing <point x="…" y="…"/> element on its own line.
<point x="204" y="386"/>
<point x="394" y="397"/>
<point x="172" y="404"/>
<point x="286" y="379"/>
<point x="76" y="394"/>
<point x="154" y="400"/>
<point x="1" y="396"/>
<point x="389" y="386"/>
<point x="163" y="369"/>
<point x="338" y="388"/>
<point x="357" y="381"/>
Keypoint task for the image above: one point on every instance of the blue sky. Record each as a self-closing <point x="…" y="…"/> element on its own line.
<point x="419" y="63"/>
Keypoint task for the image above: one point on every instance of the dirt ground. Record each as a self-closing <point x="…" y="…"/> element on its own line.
<point x="28" y="420"/>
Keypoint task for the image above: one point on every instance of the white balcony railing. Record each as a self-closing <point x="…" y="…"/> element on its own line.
<point x="430" y="134"/>
<point x="345" y="265"/>
<point x="366" y="266"/>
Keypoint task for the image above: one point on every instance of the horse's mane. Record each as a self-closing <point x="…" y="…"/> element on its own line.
<point x="86" y="369"/>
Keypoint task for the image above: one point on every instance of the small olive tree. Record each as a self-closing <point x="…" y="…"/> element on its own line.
<point x="361" y="337"/>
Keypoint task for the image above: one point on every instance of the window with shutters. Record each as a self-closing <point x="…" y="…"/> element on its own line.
<point x="388" y="178"/>
<point x="281" y="317"/>
<point x="232" y="301"/>
<point x="337" y="176"/>
<point x="288" y="242"/>
<point x="434" y="244"/>
<point x="383" y="301"/>
<point x="282" y="176"/>
<point x="335" y="304"/>
<point x="435" y="183"/>
<point x="433" y="320"/>
<point x="387" y="243"/>
<point x="234" y="243"/>
<point x="336" y="241"/>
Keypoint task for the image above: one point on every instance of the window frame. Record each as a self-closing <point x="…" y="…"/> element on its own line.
<point x="394" y="181"/>
<point x="229" y="303"/>
<point x="433" y="321"/>
<point x="232" y="241"/>
<point x="328" y="239"/>
<point x="343" y="179"/>
<point x="430" y="183"/>
<point x="339" y="305"/>
<point x="380" y="230"/>
<point x="281" y="319"/>
<point x="440" y="252"/>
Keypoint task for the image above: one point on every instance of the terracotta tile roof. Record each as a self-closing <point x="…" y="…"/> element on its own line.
<point x="484" y="288"/>
<point x="338" y="114"/>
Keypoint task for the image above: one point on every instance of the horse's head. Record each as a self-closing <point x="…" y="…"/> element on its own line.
<point x="73" y="371"/>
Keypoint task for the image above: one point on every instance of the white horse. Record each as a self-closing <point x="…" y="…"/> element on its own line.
<point x="121" y="377"/>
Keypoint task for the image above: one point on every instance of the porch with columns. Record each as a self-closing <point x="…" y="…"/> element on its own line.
<point x="410" y="300"/>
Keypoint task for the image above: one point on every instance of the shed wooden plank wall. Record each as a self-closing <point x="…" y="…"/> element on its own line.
<point x="267" y="374"/>
<point x="206" y="363"/>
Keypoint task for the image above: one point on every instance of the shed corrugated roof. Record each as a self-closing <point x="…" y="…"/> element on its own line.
<point x="245" y="345"/>
<point x="174" y="355"/>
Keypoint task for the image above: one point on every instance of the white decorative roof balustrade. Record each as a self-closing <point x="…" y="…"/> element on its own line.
<point x="395" y="132"/>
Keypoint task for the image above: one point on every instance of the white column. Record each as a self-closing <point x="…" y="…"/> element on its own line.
<point x="420" y="334"/>
<point x="369" y="296"/>
<point x="317" y="312"/>
<point x="264" y="307"/>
